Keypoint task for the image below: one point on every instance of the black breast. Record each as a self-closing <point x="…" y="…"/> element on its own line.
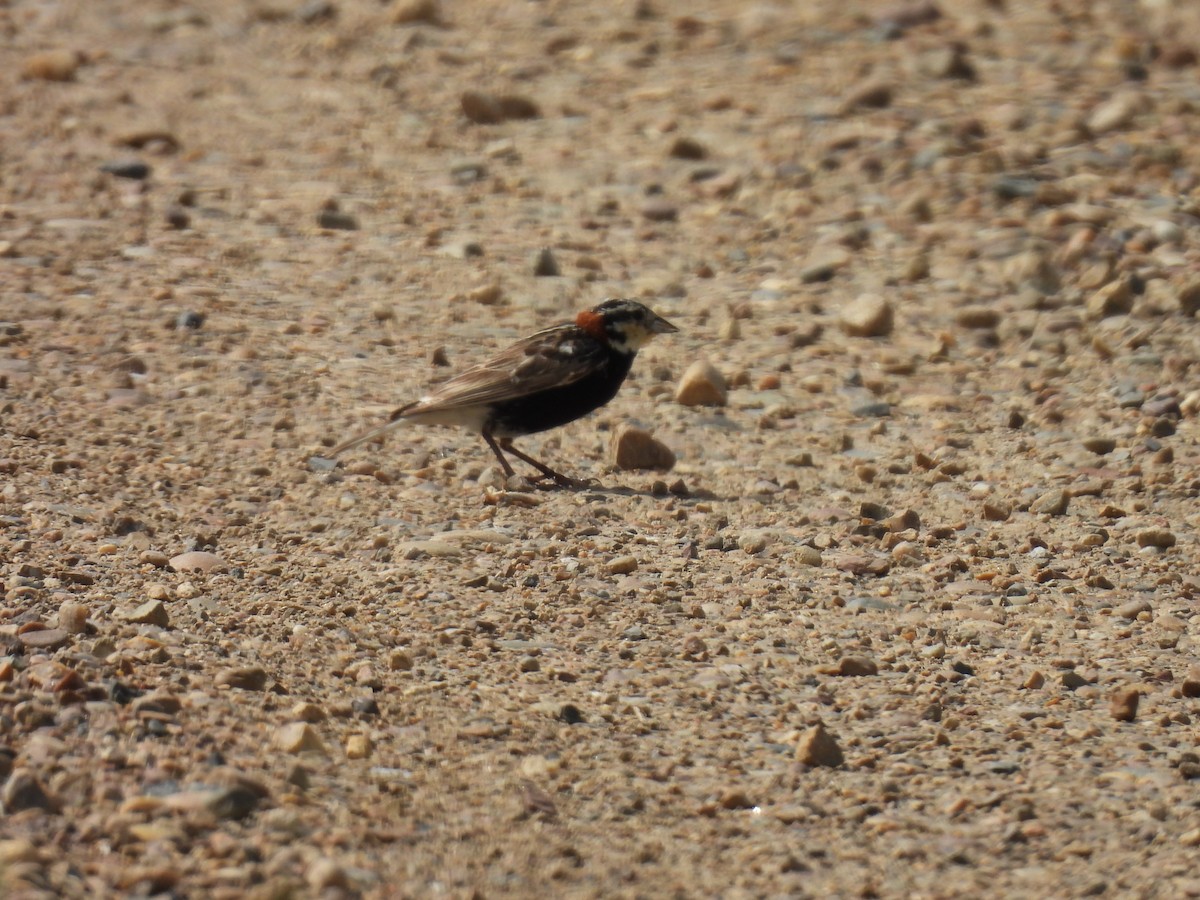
<point x="558" y="406"/>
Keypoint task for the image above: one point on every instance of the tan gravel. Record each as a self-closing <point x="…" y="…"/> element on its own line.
<point x="914" y="614"/>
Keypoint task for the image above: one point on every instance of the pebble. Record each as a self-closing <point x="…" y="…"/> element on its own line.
<point x="152" y="612"/>
<point x="1114" y="299"/>
<point x="1051" y="503"/>
<point x="1124" y="704"/>
<point x="52" y="65"/>
<point x="871" y="94"/>
<point x="72" y="617"/>
<point x="545" y="265"/>
<point x="246" y="678"/>
<point x="417" y="12"/>
<point x="44" y="639"/>
<point x="1189" y="298"/>
<point x="195" y="561"/>
<point x="1155" y="537"/>
<point x="334" y="219"/>
<point x="358" y="746"/>
<point x="979" y="317"/>
<point x="24" y="791"/>
<point x="823" y="264"/>
<point x="868" y="315"/>
<point x="817" y="747"/>
<point x="622" y="565"/>
<point x="808" y="556"/>
<point x="299" y="737"/>
<point x="1115" y="113"/>
<point x="753" y="541"/>
<point x="702" y="385"/>
<point x="133" y="169"/>
<point x="687" y="148"/>
<point x="1101" y="446"/>
<point x="856" y="667"/>
<point x="659" y="209"/>
<point x="325" y="875"/>
<point x="995" y="511"/>
<point x="636" y="449"/>
<point x="1190" y="687"/>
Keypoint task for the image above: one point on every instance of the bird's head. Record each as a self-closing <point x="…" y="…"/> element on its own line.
<point x="625" y="325"/>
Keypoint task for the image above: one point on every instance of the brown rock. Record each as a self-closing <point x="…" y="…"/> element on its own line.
<point x="874" y="94"/>
<point x="197" y="561"/>
<point x="1155" y="537"/>
<point x="702" y="385"/>
<point x="481" y="108"/>
<point x="52" y="65"/>
<point x="817" y="747"/>
<point x="152" y="612"/>
<point x="1190" y="687"/>
<point x="1114" y="299"/>
<point x="414" y="12"/>
<point x="299" y="737"/>
<point x="868" y="315"/>
<point x="856" y="666"/>
<point x="1124" y="704"/>
<point x="1051" y="503"/>
<point x="634" y="449"/>
<point x="24" y="791"/>
<point x="246" y="678"/>
<point x="1189" y="298"/>
<point x="44" y="639"/>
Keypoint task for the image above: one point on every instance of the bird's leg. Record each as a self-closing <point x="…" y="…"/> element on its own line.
<point x="547" y="472"/>
<point x="491" y="442"/>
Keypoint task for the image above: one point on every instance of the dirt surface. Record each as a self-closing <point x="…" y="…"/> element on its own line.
<point x="914" y="615"/>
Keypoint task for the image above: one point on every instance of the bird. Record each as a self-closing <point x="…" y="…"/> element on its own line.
<point x="541" y="382"/>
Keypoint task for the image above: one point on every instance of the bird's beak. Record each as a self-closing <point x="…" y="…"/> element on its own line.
<point x="661" y="326"/>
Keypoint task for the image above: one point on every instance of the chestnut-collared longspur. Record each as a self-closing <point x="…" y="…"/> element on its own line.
<point x="541" y="382"/>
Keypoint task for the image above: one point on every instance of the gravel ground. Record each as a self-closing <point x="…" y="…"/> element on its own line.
<point x="913" y="615"/>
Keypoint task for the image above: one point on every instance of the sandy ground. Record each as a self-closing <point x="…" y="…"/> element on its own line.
<point x="914" y="615"/>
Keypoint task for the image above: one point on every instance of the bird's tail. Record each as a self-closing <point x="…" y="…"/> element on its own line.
<point x="396" y="419"/>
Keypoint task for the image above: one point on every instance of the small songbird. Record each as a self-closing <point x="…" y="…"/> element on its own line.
<point x="541" y="382"/>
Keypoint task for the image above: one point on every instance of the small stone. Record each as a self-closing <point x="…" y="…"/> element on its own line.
<point x="325" y="875"/>
<point x="753" y="541"/>
<point x="1124" y="704"/>
<point x="481" y="108"/>
<point x="152" y="612"/>
<point x="196" y="561"/>
<point x="1035" y="681"/>
<point x="400" y="661"/>
<point x="545" y="265"/>
<point x="358" y="746"/>
<point x="735" y="798"/>
<point x="1051" y="503"/>
<point x="635" y="449"/>
<point x="333" y="219"/>
<point x="622" y="565"/>
<point x="308" y="712"/>
<point x="868" y="315"/>
<point x="1116" y="113"/>
<point x="299" y="737"/>
<point x="178" y="217"/>
<point x="417" y="12"/>
<point x="1100" y="445"/>
<point x="978" y="317"/>
<point x="72" y="617"/>
<point x="823" y="264"/>
<point x="529" y="664"/>
<point x="702" y="385"/>
<point x="995" y="511"/>
<point x="687" y="148"/>
<point x="659" y="209"/>
<point x="516" y="107"/>
<point x="24" y="791"/>
<point x="817" y="747"/>
<point x="133" y="169"/>
<point x="1190" y="687"/>
<point x="873" y="94"/>
<point x="808" y="556"/>
<point x="1114" y="299"/>
<point x="856" y="667"/>
<point x="1133" y="608"/>
<point x="1189" y="298"/>
<point x="246" y="678"/>
<point x="44" y="639"/>
<point x="1155" y="537"/>
<point x="52" y="65"/>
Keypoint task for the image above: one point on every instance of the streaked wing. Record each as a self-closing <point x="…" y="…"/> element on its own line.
<point x="552" y="358"/>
